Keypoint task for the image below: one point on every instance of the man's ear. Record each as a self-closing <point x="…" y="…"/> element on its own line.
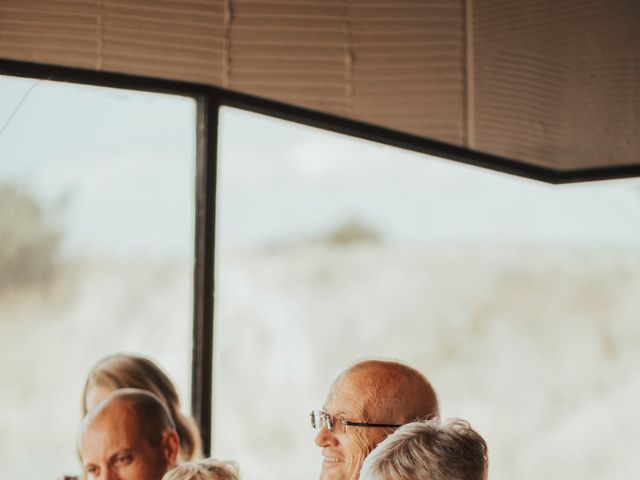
<point x="170" y="447"/>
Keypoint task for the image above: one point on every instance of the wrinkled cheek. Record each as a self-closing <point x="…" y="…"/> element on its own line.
<point x="358" y="454"/>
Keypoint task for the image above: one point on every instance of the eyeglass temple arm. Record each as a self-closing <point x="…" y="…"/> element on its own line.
<point x="377" y="425"/>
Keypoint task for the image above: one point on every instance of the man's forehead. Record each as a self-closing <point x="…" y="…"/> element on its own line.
<point x="111" y="428"/>
<point x="116" y="414"/>
<point x="349" y="395"/>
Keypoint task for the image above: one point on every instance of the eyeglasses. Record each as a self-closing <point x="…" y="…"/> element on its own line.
<point x="320" y="419"/>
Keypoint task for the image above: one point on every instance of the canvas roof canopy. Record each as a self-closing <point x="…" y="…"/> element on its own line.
<point x="552" y="84"/>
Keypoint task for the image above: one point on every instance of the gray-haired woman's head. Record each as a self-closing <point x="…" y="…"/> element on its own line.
<point x="430" y="450"/>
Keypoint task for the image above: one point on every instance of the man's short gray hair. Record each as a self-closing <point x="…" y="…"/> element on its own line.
<point x="150" y="416"/>
<point x="429" y="450"/>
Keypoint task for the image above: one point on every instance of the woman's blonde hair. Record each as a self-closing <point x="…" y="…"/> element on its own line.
<point x="207" y="469"/>
<point x="429" y="450"/>
<point x="129" y="371"/>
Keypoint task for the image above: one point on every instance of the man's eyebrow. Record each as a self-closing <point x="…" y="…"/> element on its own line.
<point x="343" y="414"/>
<point x="120" y="452"/>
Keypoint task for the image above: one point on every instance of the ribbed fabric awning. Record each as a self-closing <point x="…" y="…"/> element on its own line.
<point x="550" y="83"/>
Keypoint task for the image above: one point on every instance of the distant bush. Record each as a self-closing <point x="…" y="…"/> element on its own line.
<point x="353" y="231"/>
<point x="28" y="241"/>
<point x="350" y="232"/>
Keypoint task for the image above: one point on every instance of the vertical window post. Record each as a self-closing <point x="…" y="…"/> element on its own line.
<point x="206" y="166"/>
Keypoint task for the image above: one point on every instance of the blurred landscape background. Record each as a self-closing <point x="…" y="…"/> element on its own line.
<point x="517" y="299"/>
<point x="537" y="348"/>
<point x="96" y="253"/>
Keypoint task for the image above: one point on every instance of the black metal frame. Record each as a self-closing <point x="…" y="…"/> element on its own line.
<point x="209" y="100"/>
<point x="206" y="174"/>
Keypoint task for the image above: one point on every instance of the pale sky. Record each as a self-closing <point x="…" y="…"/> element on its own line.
<point x="283" y="179"/>
<point x="122" y="164"/>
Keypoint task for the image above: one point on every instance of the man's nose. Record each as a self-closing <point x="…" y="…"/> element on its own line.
<point x="325" y="438"/>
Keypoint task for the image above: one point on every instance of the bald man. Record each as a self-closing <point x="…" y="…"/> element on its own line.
<point x="365" y="404"/>
<point x="128" y="436"/>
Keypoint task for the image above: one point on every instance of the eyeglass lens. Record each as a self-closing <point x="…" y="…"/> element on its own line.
<point x="320" y="419"/>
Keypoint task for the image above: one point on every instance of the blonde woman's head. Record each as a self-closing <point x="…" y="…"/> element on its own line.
<point x="130" y="371"/>
<point x="207" y="469"/>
